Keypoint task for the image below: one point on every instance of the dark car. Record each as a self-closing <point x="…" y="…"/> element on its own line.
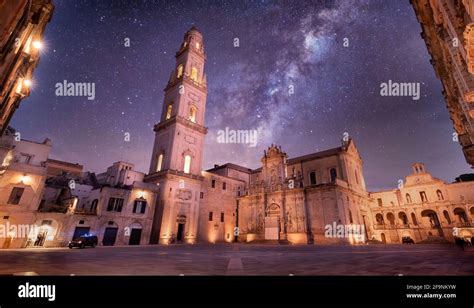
<point x="84" y="241"/>
<point x="407" y="240"/>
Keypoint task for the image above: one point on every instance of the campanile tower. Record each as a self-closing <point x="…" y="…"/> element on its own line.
<point x="176" y="162"/>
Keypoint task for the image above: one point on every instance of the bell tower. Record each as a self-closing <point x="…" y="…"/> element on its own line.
<point x="176" y="161"/>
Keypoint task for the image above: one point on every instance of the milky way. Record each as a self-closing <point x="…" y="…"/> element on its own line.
<point x="332" y="55"/>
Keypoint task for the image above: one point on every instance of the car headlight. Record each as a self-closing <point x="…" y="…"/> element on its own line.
<point x="80" y="242"/>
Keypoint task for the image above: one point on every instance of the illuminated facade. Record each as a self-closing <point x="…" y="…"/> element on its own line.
<point x="22" y="23"/>
<point x="448" y="30"/>
<point x="423" y="208"/>
<point x="176" y="162"/>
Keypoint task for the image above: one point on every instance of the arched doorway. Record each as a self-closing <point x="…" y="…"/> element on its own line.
<point x="272" y="222"/>
<point x="430" y="218"/>
<point x="181" y="223"/>
<point x="135" y="233"/>
<point x="110" y="234"/>
<point x="382" y="236"/>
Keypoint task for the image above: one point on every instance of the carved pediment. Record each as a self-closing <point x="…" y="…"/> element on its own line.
<point x="184" y="194"/>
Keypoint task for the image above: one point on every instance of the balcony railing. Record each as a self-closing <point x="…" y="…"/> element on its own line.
<point x="463" y="225"/>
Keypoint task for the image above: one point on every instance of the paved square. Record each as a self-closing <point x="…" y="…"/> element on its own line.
<point x="242" y="259"/>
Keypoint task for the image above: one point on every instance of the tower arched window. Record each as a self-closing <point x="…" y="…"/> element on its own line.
<point x="159" y="163"/>
<point x="408" y="198"/>
<point x="187" y="164"/>
<point x="194" y="74"/>
<point x="179" y="74"/>
<point x="192" y="114"/>
<point x="169" y="111"/>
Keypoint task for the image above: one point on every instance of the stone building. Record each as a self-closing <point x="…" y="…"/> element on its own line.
<point x="295" y="199"/>
<point x="448" y="30"/>
<point x="423" y="208"/>
<point x="22" y="179"/>
<point x="22" y="23"/>
<point x="41" y="207"/>
<point x="176" y="161"/>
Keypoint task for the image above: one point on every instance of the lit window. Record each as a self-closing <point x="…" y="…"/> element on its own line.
<point x="169" y="110"/>
<point x="160" y="163"/>
<point x="187" y="164"/>
<point x="192" y="114"/>
<point x="198" y="45"/>
<point x="180" y="71"/>
<point x="194" y="74"/>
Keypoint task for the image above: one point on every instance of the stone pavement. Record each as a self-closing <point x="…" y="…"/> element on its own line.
<point x="241" y="259"/>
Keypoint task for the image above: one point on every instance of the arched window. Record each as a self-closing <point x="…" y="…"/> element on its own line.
<point x="333" y="174"/>
<point x="423" y="196"/>
<point x="413" y="218"/>
<point x="198" y="45"/>
<point x="446" y="216"/>
<point x="408" y="197"/>
<point x="194" y="74"/>
<point x="440" y="195"/>
<point x="379" y="219"/>
<point x="169" y="111"/>
<point x="192" y="114"/>
<point x="180" y="71"/>
<point x="391" y="218"/>
<point x="159" y="164"/>
<point x="187" y="164"/>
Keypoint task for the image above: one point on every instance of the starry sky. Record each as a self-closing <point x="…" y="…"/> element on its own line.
<point x="336" y="88"/>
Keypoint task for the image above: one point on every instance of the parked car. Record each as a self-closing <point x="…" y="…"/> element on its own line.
<point x="407" y="240"/>
<point x="84" y="241"/>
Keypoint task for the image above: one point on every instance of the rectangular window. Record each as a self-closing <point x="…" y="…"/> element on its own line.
<point x="25" y="158"/>
<point x="224" y="186"/>
<point x="115" y="205"/>
<point x="139" y="206"/>
<point x="210" y="216"/>
<point x="222" y="217"/>
<point x="201" y="195"/>
<point x="312" y="178"/>
<point x="15" y="195"/>
<point x="379" y="201"/>
<point x="213" y="183"/>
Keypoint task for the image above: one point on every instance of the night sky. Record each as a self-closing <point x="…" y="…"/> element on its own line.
<point x="336" y="88"/>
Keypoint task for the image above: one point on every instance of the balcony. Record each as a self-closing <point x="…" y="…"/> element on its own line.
<point x="85" y="212"/>
<point x="463" y="225"/>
